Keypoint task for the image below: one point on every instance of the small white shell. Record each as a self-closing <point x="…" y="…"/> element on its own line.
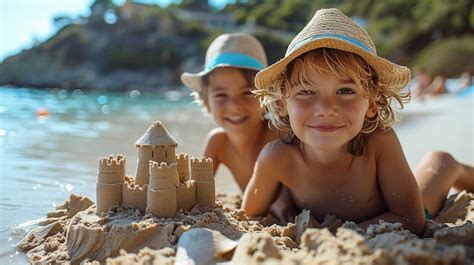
<point x="202" y="246"/>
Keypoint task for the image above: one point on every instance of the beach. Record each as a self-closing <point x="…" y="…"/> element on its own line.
<point x="443" y="123"/>
<point x="75" y="233"/>
<point x="48" y="165"/>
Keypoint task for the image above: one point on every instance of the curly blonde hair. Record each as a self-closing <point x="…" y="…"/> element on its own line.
<point x="344" y="65"/>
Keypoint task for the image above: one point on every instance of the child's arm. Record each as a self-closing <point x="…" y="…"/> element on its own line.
<point x="397" y="183"/>
<point x="260" y="191"/>
<point x="216" y="139"/>
<point x="283" y="207"/>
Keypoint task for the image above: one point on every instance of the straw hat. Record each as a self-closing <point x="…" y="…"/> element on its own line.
<point x="330" y="28"/>
<point x="237" y="50"/>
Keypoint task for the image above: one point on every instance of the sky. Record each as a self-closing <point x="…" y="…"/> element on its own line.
<point x="24" y="22"/>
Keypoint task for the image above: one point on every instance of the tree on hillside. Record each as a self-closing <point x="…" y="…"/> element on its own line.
<point x="102" y="4"/>
<point x="196" y="5"/>
<point x="402" y="28"/>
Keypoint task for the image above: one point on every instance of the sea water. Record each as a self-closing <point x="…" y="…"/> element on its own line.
<point x="50" y="141"/>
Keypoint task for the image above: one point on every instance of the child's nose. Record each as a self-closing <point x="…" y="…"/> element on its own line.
<point x="325" y="106"/>
<point x="236" y="104"/>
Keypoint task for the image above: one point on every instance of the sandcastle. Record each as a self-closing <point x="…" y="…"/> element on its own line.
<point x="164" y="182"/>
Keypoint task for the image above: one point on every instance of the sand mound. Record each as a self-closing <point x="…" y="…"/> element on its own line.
<point x="74" y="233"/>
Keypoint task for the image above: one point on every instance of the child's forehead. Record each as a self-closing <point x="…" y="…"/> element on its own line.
<point x="319" y="65"/>
<point x="305" y="75"/>
<point x="320" y="82"/>
<point x="225" y="72"/>
<point x="227" y="75"/>
<point x="227" y="88"/>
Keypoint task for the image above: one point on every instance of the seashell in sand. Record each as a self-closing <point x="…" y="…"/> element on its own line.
<point x="301" y="223"/>
<point x="203" y="246"/>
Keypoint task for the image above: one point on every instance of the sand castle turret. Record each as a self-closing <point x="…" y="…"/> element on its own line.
<point x="201" y="172"/>
<point x="161" y="197"/>
<point x="155" y="145"/>
<point x="182" y="164"/>
<point x="186" y="189"/>
<point x="109" y="182"/>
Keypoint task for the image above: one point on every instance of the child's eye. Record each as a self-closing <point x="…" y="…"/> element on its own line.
<point x="220" y="95"/>
<point x="345" y="91"/>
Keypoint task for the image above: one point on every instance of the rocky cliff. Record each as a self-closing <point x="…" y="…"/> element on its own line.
<point x="144" y="47"/>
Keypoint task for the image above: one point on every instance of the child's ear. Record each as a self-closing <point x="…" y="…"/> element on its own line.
<point x="372" y="110"/>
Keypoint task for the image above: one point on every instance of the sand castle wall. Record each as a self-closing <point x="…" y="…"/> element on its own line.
<point x="158" y="154"/>
<point x="134" y="195"/>
<point x="169" y="187"/>
<point x="161" y="197"/>
<point x="201" y="172"/>
<point x="109" y="182"/>
<point x="186" y="195"/>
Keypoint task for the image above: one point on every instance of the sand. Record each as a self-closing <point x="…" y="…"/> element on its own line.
<point x="74" y="233"/>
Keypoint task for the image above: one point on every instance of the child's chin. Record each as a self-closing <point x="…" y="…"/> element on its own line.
<point x="326" y="145"/>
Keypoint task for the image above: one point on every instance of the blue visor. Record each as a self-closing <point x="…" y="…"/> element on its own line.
<point x="238" y="60"/>
<point x="352" y="41"/>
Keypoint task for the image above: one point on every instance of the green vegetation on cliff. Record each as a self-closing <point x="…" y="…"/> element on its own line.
<point x="147" y="46"/>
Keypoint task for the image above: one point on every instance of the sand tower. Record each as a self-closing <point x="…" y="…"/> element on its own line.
<point x="155" y="145"/>
<point x="182" y="161"/>
<point x="201" y="172"/>
<point x="186" y="189"/>
<point x="161" y="197"/>
<point x="109" y="182"/>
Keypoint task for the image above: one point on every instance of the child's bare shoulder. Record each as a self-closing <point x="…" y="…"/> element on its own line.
<point x="216" y="140"/>
<point x="275" y="161"/>
<point x="273" y="151"/>
<point x="380" y="141"/>
<point x="380" y="137"/>
<point x="217" y="136"/>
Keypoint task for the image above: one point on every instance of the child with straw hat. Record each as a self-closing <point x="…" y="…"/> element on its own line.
<point x="224" y="88"/>
<point x="332" y="95"/>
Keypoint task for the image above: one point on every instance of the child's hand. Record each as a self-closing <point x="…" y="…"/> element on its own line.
<point x="283" y="207"/>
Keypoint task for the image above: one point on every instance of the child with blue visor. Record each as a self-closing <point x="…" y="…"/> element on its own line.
<point x="224" y="89"/>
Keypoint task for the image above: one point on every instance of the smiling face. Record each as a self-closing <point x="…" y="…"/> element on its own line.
<point x="327" y="98"/>
<point x="327" y="111"/>
<point x="231" y="102"/>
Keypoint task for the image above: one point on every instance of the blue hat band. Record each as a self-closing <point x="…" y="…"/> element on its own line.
<point x="235" y="60"/>
<point x="352" y="41"/>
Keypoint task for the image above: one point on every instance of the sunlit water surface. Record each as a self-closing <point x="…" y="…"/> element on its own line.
<point x="50" y="142"/>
